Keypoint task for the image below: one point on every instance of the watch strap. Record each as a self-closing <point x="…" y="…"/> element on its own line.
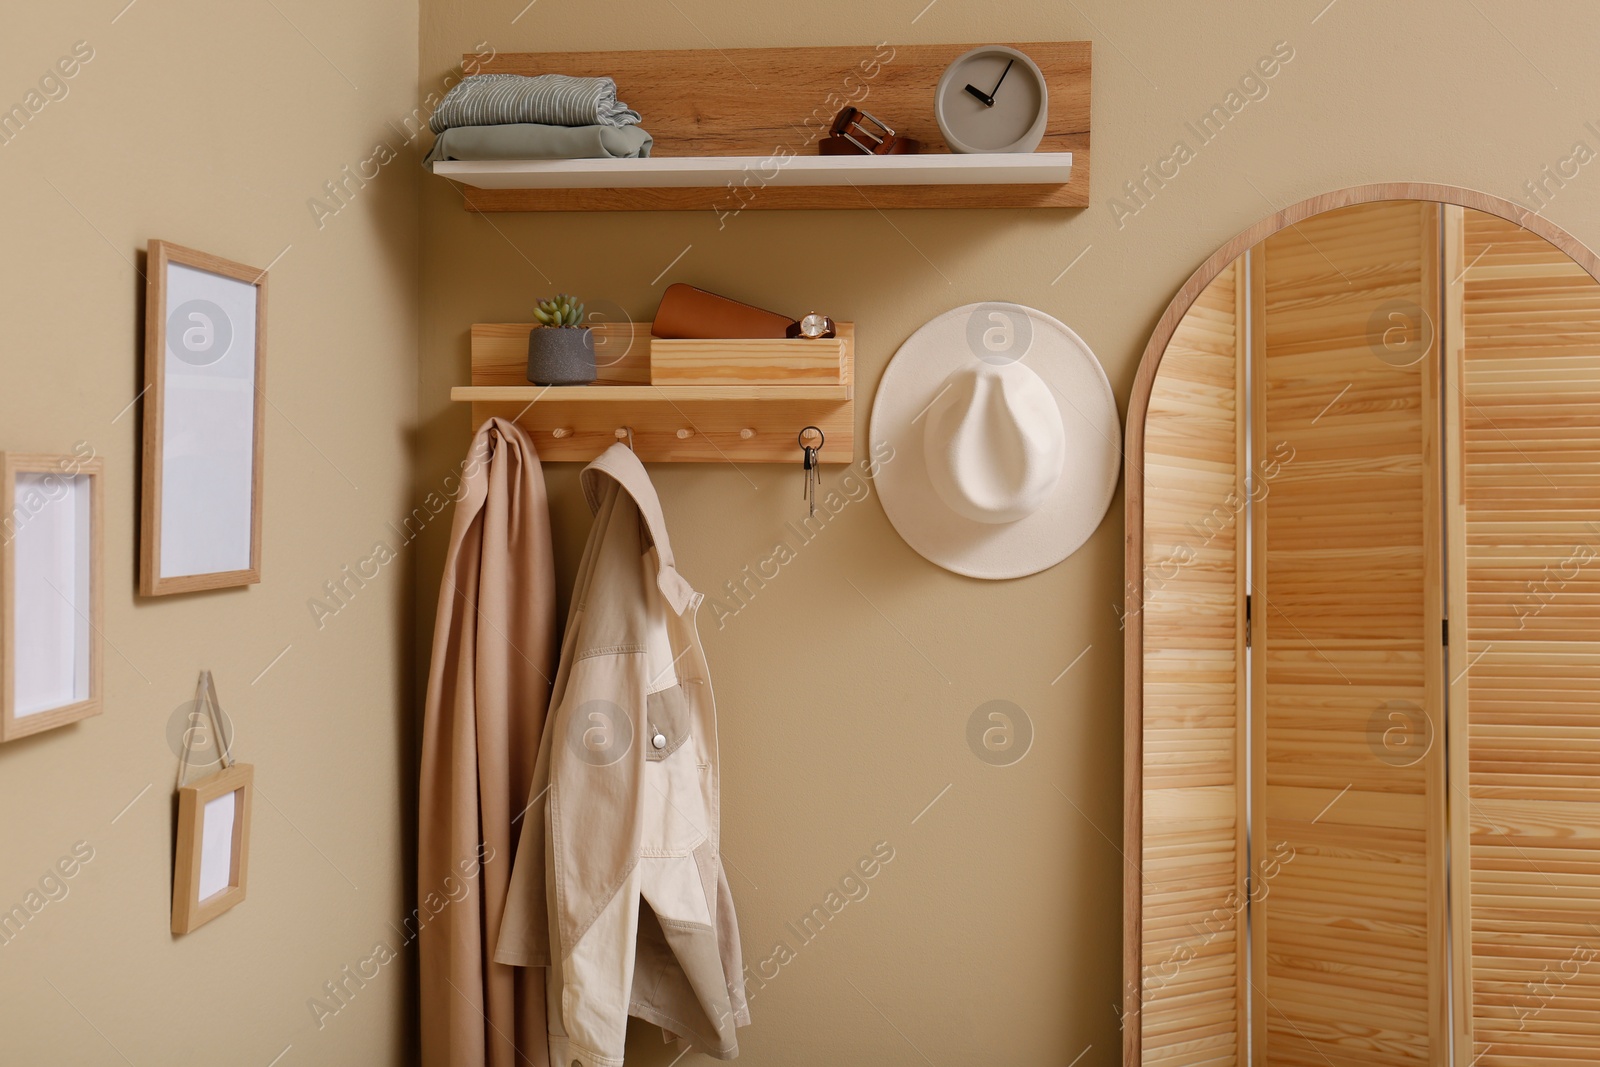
<point x="794" y="329"/>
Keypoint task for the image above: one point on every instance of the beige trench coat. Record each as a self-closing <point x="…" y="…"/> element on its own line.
<point x="619" y="866"/>
<point x="494" y="651"/>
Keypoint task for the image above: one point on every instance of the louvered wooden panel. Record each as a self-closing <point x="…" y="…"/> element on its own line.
<point x="1193" y="845"/>
<point x="1529" y="695"/>
<point x="1348" y="843"/>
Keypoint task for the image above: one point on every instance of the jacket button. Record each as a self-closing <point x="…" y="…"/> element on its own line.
<point x="659" y="741"/>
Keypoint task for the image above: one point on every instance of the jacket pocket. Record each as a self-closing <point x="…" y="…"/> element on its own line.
<point x="667" y="711"/>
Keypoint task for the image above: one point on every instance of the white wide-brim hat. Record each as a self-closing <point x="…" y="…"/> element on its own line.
<point x="1006" y="439"/>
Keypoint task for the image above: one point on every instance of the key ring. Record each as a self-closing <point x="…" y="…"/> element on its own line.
<point x="811" y="463"/>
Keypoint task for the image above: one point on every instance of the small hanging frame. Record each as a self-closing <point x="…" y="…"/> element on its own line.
<point x="213" y="825"/>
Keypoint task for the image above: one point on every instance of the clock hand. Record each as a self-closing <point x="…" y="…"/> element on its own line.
<point x="988" y="101"/>
<point x="996" y="88"/>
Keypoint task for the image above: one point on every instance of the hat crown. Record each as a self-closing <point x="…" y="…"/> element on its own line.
<point x="994" y="442"/>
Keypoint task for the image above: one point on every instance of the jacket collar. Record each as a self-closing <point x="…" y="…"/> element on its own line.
<point x="621" y="465"/>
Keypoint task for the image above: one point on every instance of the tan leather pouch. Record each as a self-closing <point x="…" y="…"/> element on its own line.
<point x="687" y="312"/>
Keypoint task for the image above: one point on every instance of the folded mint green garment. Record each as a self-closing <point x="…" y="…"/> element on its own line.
<point x="526" y="140"/>
<point x="495" y="99"/>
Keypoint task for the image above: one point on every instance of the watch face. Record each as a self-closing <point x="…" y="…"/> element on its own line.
<point x="992" y="100"/>
<point x="813" y="325"/>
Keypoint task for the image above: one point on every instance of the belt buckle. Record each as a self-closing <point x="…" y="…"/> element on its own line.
<point x="849" y="123"/>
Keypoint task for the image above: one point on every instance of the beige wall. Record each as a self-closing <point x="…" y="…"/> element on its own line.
<point x="212" y="125"/>
<point x="845" y="685"/>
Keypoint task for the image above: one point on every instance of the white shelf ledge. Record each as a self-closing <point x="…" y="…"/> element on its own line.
<point x="941" y="168"/>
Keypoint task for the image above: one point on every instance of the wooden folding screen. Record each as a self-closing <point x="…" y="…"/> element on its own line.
<point x="1423" y="433"/>
<point x="1193" y="862"/>
<point x="1348" y="923"/>
<point x="1523" y="398"/>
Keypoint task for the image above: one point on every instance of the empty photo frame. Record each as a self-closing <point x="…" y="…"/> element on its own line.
<point x="213" y="847"/>
<point x="205" y="394"/>
<point x="52" y="599"/>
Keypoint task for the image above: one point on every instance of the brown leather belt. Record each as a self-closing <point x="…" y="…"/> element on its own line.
<point x="850" y="136"/>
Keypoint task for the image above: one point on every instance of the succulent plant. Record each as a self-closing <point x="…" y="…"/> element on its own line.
<point x="564" y="310"/>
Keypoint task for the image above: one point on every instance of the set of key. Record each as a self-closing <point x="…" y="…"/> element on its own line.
<point x="811" y="461"/>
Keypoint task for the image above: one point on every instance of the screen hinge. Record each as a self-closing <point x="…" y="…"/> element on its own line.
<point x="1247" y="620"/>
<point x="1445" y="636"/>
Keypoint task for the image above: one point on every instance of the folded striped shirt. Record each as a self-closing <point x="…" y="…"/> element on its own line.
<point x="549" y="100"/>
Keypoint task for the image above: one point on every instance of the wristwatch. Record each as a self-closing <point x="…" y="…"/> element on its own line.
<point x="811" y="327"/>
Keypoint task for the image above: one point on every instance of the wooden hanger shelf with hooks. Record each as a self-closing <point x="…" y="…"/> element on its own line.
<point x="729" y="418"/>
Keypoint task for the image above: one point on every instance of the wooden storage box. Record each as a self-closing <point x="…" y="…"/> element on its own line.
<point x="747" y="361"/>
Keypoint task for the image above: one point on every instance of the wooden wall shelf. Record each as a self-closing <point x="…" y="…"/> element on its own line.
<point x="670" y="423"/>
<point x="738" y="128"/>
<point x="613" y="394"/>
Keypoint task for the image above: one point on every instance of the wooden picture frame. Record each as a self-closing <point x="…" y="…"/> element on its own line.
<point x="212" y="812"/>
<point x="52" y="590"/>
<point x="204" y="421"/>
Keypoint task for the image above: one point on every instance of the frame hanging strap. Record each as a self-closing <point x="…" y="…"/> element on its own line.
<point x="205" y="699"/>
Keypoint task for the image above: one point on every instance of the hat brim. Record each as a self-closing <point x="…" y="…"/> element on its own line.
<point x="1072" y="511"/>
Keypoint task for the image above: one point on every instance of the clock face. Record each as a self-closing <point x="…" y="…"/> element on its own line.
<point x="992" y="100"/>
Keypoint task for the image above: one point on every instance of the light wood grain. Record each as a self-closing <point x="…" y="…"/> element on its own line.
<point x="189" y="912"/>
<point x="151" y="581"/>
<point x="1260" y="631"/>
<point x="726" y="204"/>
<point x="1343" y="596"/>
<point x="767" y="102"/>
<point x="500" y="353"/>
<point x="1245" y="329"/>
<point x="1192" y="866"/>
<point x="763" y="431"/>
<point x="746" y="361"/>
<point x="590" y="396"/>
<point x="1134" y="662"/>
<point x="670" y="423"/>
<point x="11" y="464"/>
<point x="1525" y="648"/>
<point x="1458" y="713"/>
<point x="1436" y="786"/>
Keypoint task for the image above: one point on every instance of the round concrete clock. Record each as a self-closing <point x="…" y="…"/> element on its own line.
<point x="992" y="99"/>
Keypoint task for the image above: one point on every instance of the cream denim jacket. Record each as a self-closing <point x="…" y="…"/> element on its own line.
<point x="619" y="865"/>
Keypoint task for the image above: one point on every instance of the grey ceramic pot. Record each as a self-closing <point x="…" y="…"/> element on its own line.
<point x="561" y="355"/>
